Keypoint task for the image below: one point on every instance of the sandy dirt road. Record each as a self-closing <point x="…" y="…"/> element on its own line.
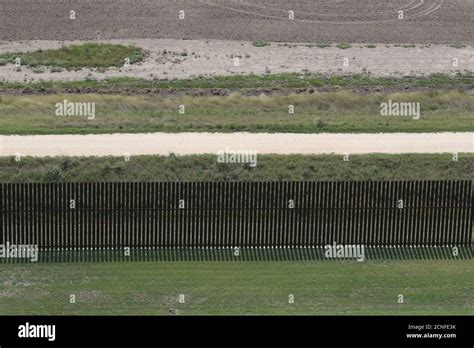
<point x="215" y="57"/>
<point x="213" y="143"/>
<point x="424" y="21"/>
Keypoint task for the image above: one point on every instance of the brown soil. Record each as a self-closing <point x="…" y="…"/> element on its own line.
<point x="425" y="21"/>
<point x="205" y="92"/>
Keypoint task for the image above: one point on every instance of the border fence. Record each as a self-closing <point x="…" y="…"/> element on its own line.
<point x="149" y="220"/>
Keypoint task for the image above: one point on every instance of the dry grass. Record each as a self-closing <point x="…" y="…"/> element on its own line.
<point x="320" y="112"/>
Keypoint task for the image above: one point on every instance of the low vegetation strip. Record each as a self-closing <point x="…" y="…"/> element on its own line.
<point x="319" y="288"/>
<point x="207" y="168"/>
<point x="235" y="82"/>
<point x="88" y="55"/>
<point x="334" y="112"/>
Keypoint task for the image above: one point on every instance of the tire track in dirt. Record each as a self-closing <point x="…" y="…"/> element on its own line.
<point x="425" y="21"/>
<point x="432" y="6"/>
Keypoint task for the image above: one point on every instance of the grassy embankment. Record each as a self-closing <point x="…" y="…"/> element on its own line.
<point x="206" y="168"/>
<point x="335" y="112"/>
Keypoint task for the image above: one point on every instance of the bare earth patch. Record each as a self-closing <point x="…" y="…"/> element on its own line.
<point x="178" y="59"/>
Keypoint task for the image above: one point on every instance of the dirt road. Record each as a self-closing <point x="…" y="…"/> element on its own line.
<point x="197" y="143"/>
<point x="424" y="21"/>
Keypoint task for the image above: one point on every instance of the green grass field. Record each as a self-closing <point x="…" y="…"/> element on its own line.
<point x="338" y="112"/>
<point x="269" y="168"/>
<point x="89" y="55"/>
<point x="219" y="288"/>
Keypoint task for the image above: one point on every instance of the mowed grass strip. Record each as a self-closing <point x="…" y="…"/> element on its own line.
<point x="88" y="55"/>
<point x="252" y="81"/>
<point x="334" y="112"/>
<point x="269" y="168"/>
<point x="220" y="288"/>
